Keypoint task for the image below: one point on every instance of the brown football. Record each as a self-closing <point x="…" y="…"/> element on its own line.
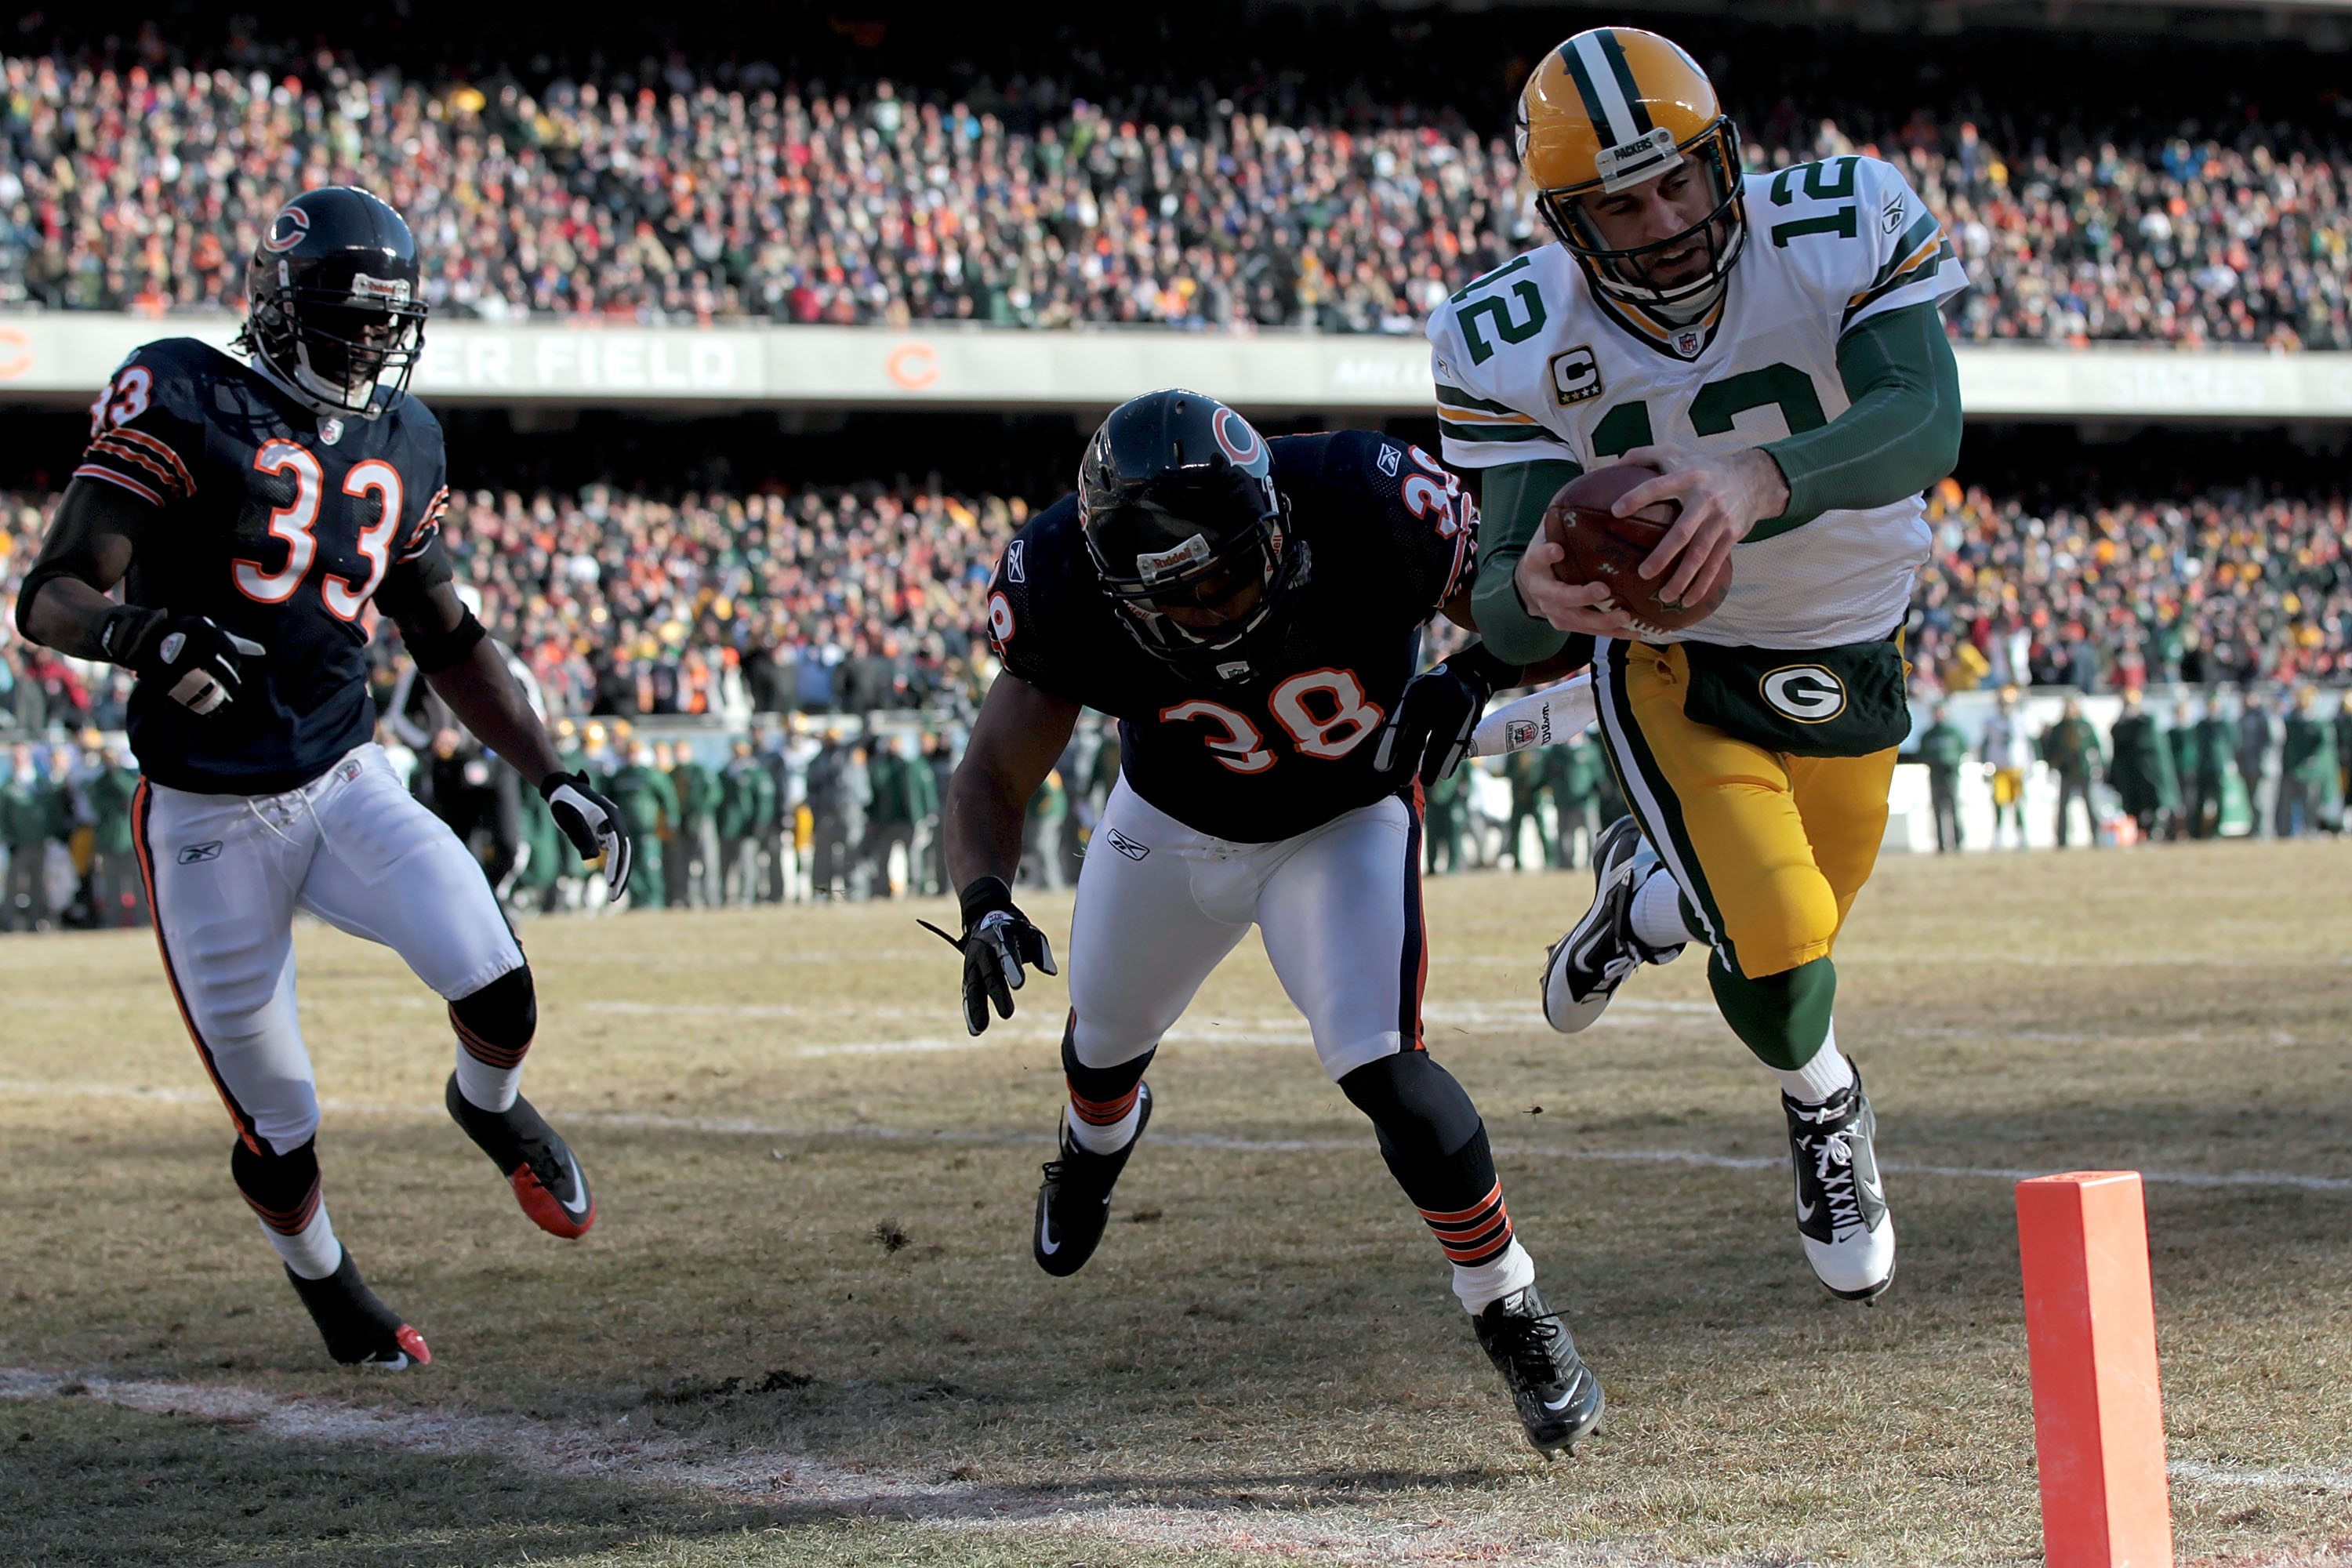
<point x="1601" y="547"/>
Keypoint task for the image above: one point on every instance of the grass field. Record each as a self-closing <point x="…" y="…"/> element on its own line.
<point x="806" y="1328"/>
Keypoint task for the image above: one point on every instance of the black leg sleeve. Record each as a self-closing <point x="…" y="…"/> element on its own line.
<point x="283" y="1189"/>
<point x="1100" y="1096"/>
<point x="1430" y="1133"/>
<point x="497" y="1023"/>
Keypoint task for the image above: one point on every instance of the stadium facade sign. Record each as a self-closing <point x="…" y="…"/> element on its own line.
<point x="63" y="358"/>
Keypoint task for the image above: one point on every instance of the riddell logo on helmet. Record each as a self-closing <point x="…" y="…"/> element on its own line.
<point x="286" y="229"/>
<point x="1151" y="565"/>
<point x="394" y="290"/>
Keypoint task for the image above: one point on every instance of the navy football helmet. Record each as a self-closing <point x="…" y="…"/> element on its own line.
<point x="1190" y="538"/>
<point x="338" y="307"/>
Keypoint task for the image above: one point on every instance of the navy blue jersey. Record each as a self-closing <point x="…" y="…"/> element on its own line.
<point x="279" y="525"/>
<point x="1390" y="536"/>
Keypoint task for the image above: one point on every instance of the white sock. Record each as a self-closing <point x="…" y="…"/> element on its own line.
<point x="1658" y="911"/>
<point x="1481" y="1287"/>
<point x="1826" y="1075"/>
<point x="487" y="1088"/>
<point x="313" y="1252"/>
<point x="1106" y="1140"/>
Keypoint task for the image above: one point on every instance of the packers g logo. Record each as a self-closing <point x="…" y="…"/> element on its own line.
<point x="1808" y="694"/>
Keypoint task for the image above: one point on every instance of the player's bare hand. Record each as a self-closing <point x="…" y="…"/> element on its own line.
<point x="999" y="946"/>
<point x="1570" y="606"/>
<point x="1722" y="497"/>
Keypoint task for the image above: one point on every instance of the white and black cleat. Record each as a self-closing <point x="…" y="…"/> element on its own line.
<point x="1842" y="1217"/>
<point x="1584" y="968"/>
<point x="1558" y="1400"/>
<point x="1074" y="1200"/>
<point x="360" y="1330"/>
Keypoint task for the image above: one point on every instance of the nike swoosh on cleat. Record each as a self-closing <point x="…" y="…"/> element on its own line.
<point x="1564" y="1401"/>
<point x="1805" y="1211"/>
<point x="579" y="1185"/>
<point x="1045" y="1242"/>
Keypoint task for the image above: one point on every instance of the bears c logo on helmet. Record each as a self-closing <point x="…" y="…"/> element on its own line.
<point x="286" y="229"/>
<point x="1238" y="436"/>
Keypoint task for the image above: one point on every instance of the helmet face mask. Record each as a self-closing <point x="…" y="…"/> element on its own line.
<point x="336" y="320"/>
<point x="1627" y="272"/>
<point x="1613" y="109"/>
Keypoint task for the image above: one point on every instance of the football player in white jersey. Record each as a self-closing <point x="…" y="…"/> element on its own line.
<point x="1772" y="342"/>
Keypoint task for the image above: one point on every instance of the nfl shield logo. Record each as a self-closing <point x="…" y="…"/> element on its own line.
<point x="1519" y="734"/>
<point x="1687" y="344"/>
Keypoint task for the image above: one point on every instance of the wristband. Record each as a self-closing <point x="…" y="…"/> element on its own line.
<point x="985" y="896"/>
<point x="125" y="630"/>
<point x="1479" y="663"/>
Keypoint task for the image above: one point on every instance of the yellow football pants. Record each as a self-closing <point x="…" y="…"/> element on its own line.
<point x="1769" y="849"/>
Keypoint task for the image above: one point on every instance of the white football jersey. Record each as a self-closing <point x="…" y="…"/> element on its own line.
<point x="1532" y="364"/>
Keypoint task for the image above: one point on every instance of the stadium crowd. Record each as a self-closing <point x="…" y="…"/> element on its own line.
<point x="1031" y="206"/>
<point x="866" y="599"/>
<point x="2230" y="586"/>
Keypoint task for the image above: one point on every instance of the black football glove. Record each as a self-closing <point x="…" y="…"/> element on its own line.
<point x="193" y="658"/>
<point x="1430" y="732"/>
<point x="593" y="824"/>
<point x="997" y="941"/>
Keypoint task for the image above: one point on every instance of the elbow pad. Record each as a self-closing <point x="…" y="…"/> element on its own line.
<point x="436" y="651"/>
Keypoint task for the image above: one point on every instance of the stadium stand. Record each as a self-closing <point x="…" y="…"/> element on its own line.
<point x="143" y="191"/>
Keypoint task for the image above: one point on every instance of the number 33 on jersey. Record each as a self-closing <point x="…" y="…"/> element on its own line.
<point x="1532" y="364"/>
<point x="278" y="525"/>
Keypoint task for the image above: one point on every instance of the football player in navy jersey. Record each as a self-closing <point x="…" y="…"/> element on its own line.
<point x="1249" y="611"/>
<point x="251" y="512"/>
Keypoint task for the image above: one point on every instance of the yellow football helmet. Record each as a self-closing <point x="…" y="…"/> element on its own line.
<point x="1606" y="110"/>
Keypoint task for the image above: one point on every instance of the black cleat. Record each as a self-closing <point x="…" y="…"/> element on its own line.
<point x="1074" y="1200"/>
<point x="533" y="1158"/>
<point x="360" y="1330"/>
<point x="1584" y="968"/>
<point x="1558" y="1399"/>
<point x="1842" y="1219"/>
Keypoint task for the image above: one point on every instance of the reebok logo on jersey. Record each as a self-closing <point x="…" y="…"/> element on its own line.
<point x="1575" y="375"/>
<point x="1016" y="562"/>
<point x="1389" y="459"/>
<point x="1808" y="694"/>
<point x="1126" y="846"/>
<point x="197" y="853"/>
<point x="1892" y="220"/>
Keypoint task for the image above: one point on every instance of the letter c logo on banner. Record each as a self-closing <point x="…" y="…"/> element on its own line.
<point x="913" y="366"/>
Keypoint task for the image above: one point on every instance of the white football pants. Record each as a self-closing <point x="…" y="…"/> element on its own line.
<point x="1160" y="905"/>
<point x="224" y="875"/>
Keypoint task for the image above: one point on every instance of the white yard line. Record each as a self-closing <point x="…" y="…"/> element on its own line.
<point x="740" y="1127"/>
<point x="1376" y="1529"/>
<point x="2200" y="1472"/>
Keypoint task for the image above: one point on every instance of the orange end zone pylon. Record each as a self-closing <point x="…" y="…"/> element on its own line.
<point x="2090" y="1327"/>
